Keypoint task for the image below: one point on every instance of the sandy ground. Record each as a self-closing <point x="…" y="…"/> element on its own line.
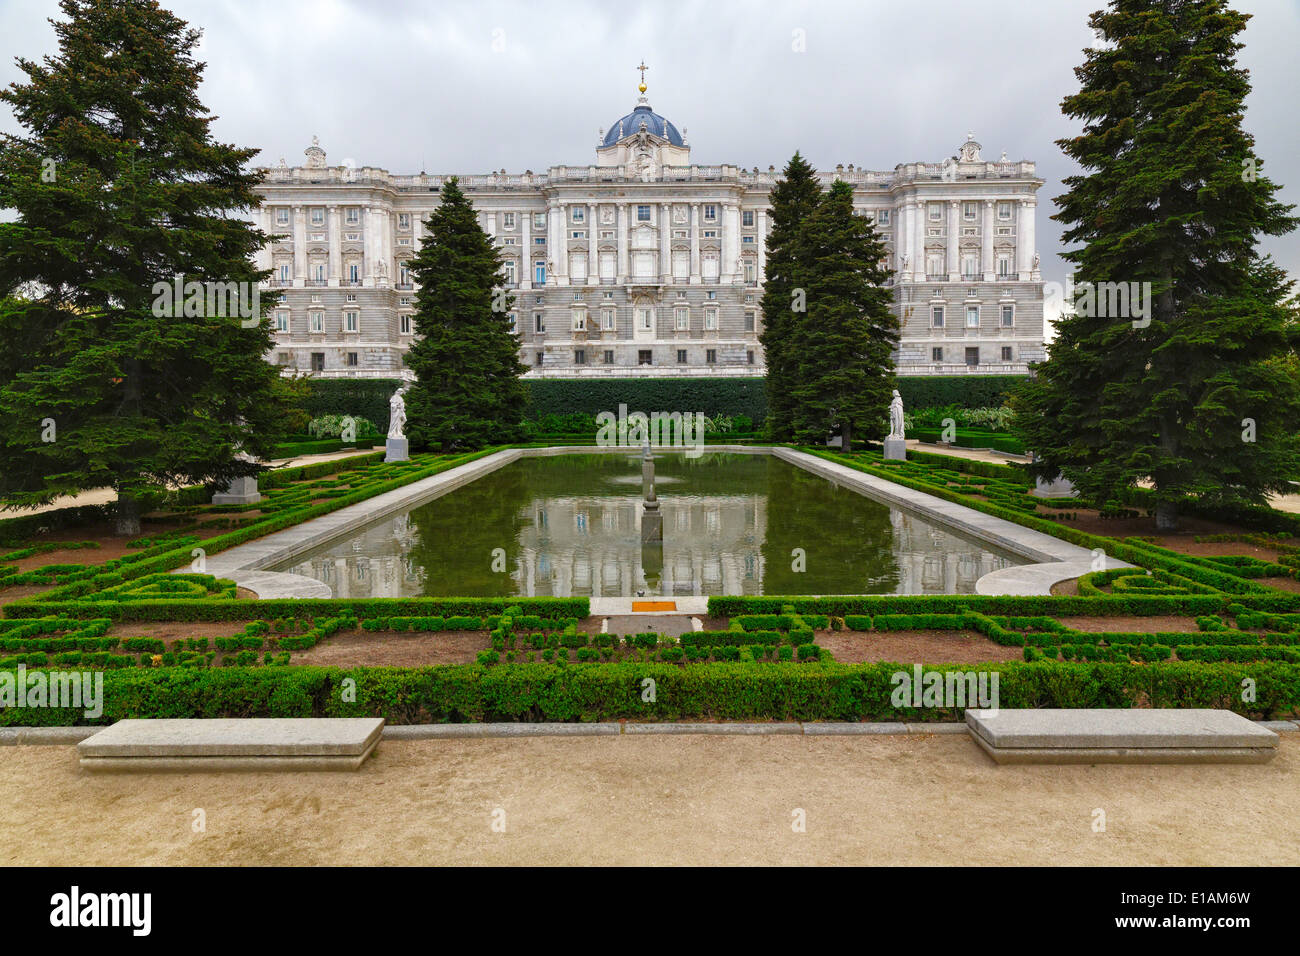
<point x="904" y="800"/>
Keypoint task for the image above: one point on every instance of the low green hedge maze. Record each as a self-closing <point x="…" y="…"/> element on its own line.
<point x="766" y="664"/>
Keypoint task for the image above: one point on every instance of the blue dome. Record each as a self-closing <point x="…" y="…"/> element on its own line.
<point x="654" y="123"/>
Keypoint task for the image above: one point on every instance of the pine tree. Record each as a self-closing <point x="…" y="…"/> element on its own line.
<point x="1189" y="394"/>
<point x="119" y="189"/>
<point x="467" y="393"/>
<point x="844" y="346"/>
<point x="793" y="200"/>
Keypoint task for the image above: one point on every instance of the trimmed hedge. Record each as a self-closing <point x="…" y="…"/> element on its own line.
<point x="360" y="397"/>
<point x="741" y="691"/>
<point x="964" y="391"/>
<point x="361" y="608"/>
<point x="712" y="396"/>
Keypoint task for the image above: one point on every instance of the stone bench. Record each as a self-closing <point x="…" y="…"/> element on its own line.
<point x="232" y="744"/>
<point x="1120" y="736"/>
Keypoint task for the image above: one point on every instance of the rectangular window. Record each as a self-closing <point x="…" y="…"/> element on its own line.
<point x="607" y="319"/>
<point x="972" y="316"/>
<point x="539" y="272"/>
<point x="1004" y="210"/>
<point x="936" y="211"/>
<point x="710" y="319"/>
<point x="282" y="321"/>
<point x="936" y="354"/>
<point x="349" y="321"/>
<point x="936" y="317"/>
<point x="318" y="321"/>
<point x="539" y="322"/>
<point x="579" y="214"/>
<point x="1004" y="266"/>
<point x="747" y="218"/>
<point x="350" y="297"/>
<point x="644" y="357"/>
<point x="282" y="358"/>
<point x="284" y="272"/>
<point x="710" y="213"/>
<point x="642" y="213"/>
<point x="969" y="267"/>
<point x="609" y="356"/>
<point x="749" y="240"/>
<point x="710" y="233"/>
<point x="510" y="271"/>
<point x="968" y="211"/>
<point x="403" y="220"/>
<point x="354" y="273"/>
<point x="683" y="319"/>
<point x="317" y="217"/>
<point x="352" y="215"/>
<point x="406" y="324"/>
<point x="538" y="359"/>
<point x="578" y="234"/>
<point x="882" y="217"/>
<point x="539" y="220"/>
<point x="1006" y="353"/>
<point x="352" y="359"/>
<point x="282" y="216"/>
<point x="751" y="271"/>
<point x="750" y="320"/>
<point x="1008" y="316"/>
<point x="681" y="356"/>
<point x="539" y="240"/>
<point x="749" y="356"/>
<point x="507" y="220"/>
<point x="711" y="356"/>
<point x="318" y="361"/>
<point x="580" y="320"/>
<point x="579" y="356"/>
<point x="973" y="356"/>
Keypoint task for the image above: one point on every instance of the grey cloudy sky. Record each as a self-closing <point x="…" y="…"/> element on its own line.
<point x="468" y="87"/>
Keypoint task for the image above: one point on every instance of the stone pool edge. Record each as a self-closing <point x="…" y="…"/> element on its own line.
<point x="1053" y="559"/>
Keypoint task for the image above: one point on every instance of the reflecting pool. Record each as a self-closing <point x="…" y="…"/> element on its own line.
<point x="571" y="525"/>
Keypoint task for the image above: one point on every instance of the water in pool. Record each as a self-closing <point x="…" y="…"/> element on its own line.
<point x="571" y="525"/>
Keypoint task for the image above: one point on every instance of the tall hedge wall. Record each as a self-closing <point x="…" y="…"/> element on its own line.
<point x="964" y="391"/>
<point x="368" y="397"/>
<point x="363" y="397"/>
<point x="712" y="396"/>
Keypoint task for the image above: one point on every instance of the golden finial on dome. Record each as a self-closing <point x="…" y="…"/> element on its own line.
<point x="642" y="68"/>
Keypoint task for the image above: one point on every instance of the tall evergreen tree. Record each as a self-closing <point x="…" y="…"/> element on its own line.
<point x="468" y="392"/>
<point x="118" y="187"/>
<point x="793" y="200"/>
<point x="843" y="348"/>
<point x="1170" y="195"/>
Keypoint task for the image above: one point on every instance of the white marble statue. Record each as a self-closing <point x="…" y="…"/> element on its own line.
<point x="896" y="416"/>
<point x="397" y="414"/>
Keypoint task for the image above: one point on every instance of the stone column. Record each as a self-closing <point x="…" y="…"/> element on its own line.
<point x="987" y="265"/>
<point x="1031" y="244"/>
<point x="760" y="221"/>
<point x="265" y="222"/>
<point x="731" y="241"/>
<point x="1024" y="238"/>
<point x="918" y="254"/>
<point x="526" y="255"/>
<point x="954" y="230"/>
<point x="336" y="246"/>
<point x="665" y="242"/>
<point x="561" y="252"/>
<point x="622" y="243"/>
<point x="299" y="246"/>
<point x="903" y="239"/>
<point x="695" y="243"/>
<point x="368" y="247"/>
<point x="593" y="251"/>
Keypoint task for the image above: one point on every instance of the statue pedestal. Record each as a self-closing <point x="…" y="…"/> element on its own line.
<point x="895" y="449"/>
<point x="398" y="449"/>
<point x="1060" y="488"/>
<point x="241" y="491"/>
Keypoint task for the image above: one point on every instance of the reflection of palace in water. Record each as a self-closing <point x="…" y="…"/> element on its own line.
<point x="934" y="561"/>
<point x="590" y="545"/>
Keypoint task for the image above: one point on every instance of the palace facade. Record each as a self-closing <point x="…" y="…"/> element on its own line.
<point x="645" y="263"/>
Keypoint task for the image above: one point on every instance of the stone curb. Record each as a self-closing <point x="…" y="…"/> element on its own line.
<point x="39" y="736"/>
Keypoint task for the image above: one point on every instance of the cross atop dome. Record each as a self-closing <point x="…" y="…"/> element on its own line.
<point x="642" y="68"/>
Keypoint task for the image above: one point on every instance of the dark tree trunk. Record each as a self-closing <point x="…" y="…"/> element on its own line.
<point x="1166" y="516"/>
<point x="846" y="436"/>
<point x="126" y="520"/>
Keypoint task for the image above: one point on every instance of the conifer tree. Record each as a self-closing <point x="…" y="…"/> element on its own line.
<point x="844" y="346"/>
<point x="1184" y="388"/>
<point x="793" y="200"/>
<point x="119" y="189"/>
<point x="467" y="393"/>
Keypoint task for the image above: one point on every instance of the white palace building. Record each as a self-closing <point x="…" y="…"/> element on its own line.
<point x="645" y="263"/>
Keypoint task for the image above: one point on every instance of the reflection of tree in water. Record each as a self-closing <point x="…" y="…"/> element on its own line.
<point x="458" y="532"/>
<point x="848" y="538"/>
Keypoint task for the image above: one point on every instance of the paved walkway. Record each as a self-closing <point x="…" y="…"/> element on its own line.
<point x="103" y="496"/>
<point x="637" y="800"/>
